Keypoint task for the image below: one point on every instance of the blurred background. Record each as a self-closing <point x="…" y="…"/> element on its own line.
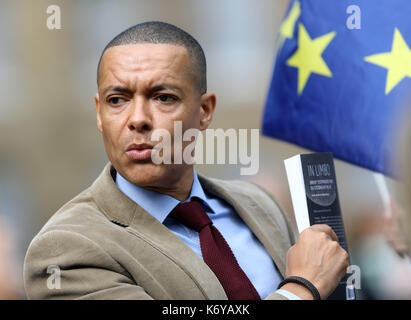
<point x="50" y="147"/>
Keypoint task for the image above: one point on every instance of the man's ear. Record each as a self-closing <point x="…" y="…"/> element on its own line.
<point x="97" y="106"/>
<point x="208" y="103"/>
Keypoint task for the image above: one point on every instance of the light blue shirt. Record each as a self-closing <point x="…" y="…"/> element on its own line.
<point x="248" y="250"/>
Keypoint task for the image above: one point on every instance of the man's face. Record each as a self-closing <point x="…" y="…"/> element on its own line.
<point x="144" y="87"/>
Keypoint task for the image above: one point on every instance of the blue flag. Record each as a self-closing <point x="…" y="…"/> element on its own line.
<point x="340" y="77"/>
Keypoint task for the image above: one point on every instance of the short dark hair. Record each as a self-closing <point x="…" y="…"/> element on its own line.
<point x="164" y="33"/>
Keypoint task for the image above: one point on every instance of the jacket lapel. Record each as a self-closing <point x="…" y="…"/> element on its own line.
<point x="257" y="219"/>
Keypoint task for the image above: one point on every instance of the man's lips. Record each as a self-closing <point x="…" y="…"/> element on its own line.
<point x="139" y="151"/>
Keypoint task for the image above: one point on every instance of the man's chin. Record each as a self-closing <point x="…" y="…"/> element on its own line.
<point x="144" y="174"/>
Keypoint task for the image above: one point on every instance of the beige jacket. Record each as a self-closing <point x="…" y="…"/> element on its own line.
<point x="102" y="245"/>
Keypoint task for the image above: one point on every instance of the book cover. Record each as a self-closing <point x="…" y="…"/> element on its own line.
<point x="314" y="196"/>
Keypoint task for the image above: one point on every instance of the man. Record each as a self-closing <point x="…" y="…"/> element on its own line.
<point x="136" y="233"/>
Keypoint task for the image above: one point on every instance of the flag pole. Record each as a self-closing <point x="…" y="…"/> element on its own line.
<point x="381" y="183"/>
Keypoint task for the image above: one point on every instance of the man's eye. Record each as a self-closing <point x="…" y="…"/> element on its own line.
<point x="115" y="101"/>
<point x="167" y="98"/>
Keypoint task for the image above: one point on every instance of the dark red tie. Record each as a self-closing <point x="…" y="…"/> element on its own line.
<point x="216" y="252"/>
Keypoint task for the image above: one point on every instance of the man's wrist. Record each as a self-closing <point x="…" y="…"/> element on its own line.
<point x="299" y="290"/>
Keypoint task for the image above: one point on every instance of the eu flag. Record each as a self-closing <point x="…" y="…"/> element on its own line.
<point x="340" y="77"/>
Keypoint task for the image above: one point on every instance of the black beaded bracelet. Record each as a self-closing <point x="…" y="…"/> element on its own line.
<point x="303" y="282"/>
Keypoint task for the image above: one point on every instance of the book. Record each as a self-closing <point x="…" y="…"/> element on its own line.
<point x="314" y="195"/>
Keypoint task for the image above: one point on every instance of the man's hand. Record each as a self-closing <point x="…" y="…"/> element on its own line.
<point x="317" y="257"/>
<point x="392" y="228"/>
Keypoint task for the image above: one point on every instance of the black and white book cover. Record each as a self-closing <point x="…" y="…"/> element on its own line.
<point x="313" y="187"/>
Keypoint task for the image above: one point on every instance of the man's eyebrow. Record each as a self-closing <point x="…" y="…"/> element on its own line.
<point x="116" y="88"/>
<point x="164" y="87"/>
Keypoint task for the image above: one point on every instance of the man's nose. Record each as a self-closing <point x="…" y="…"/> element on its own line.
<point x="140" y="115"/>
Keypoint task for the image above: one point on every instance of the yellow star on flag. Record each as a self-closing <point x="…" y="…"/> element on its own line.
<point x="308" y="57"/>
<point x="397" y="62"/>
<point x="287" y="27"/>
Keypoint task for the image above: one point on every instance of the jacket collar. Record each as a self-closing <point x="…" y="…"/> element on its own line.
<point x="111" y="200"/>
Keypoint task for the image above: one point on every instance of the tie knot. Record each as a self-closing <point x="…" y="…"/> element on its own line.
<point x="192" y="215"/>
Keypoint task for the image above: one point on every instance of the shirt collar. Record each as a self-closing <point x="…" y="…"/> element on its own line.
<point x="159" y="205"/>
